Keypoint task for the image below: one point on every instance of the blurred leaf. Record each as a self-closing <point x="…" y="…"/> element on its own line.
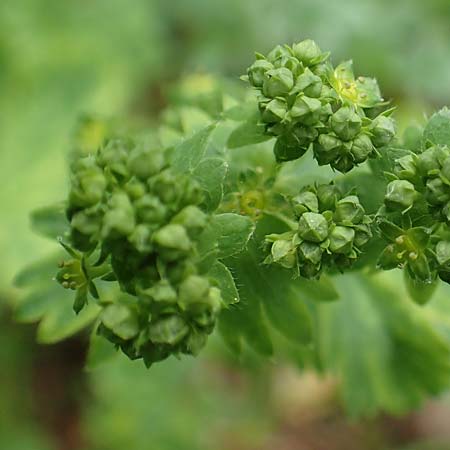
<point x="61" y="322"/>
<point x="100" y="352"/>
<point x="35" y="304"/>
<point x="50" y="221"/>
<point x="322" y="290"/>
<point x="290" y="316"/>
<point x="210" y="174"/>
<point x="248" y="133"/>
<point x="386" y="353"/>
<point x="41" y="271"/>
<point x="420" y="292"/>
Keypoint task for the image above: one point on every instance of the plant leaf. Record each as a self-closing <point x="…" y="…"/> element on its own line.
<point x="233" y="232"/>
<point x="225" y="281"/>
<point x="210" y="174"/>
<point x="437" y="130"/>
<point x="50" y="221"/>
<point x="248" y="133"/>
<point x="187" y="155"/>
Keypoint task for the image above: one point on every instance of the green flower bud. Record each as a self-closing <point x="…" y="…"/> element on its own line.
<point x="443" y="253"/>
<point x="405" y="168"/>
<point x="278" y="82"/>
<point x="328" y="195"/>
<point x="305" y="202"/>
<point x="288" y="148"/>
<point x="445" y="171"/>
<point x="305" y="109"/>
<point x="308" y="52"/>
<point x="119" y="219"/>
<point x="428" y="161"/>
<point x="343" y="164"/>
<point x="195" y="342"/>
<point x="88" y="184"/>
<point x="313" y="227"/>
<point x="274" y="111"/>
<point x="346" y="123"/>
<point x="418" y="267"/>
<point x="446" y="211"/>
<point x="161" y="292"/>
<point x="349" y="211"/>
<point x="194" y="295"/>
<point x="173" y="237"/>
<point x="169" y="330"/>
<point x="150" y="210"/>
<point x="135" y="189"/>
<point x="113" y="157"/>
<point x="87" y="221"/>
<point x="341" y="239"/>
<point x="400" y="195"/>
<point x="327" y="148"/>
<point x="143" y="163"/>
<point x="141" y="238"/>
<point x="121" y="320"/>
<point x="383" y="131"/>
<point x="277" y="53"/>
<point x="257" y="72"/>
<point x="192" y="218"/>
<point x="362" y="148"/>
<point x="388" y="259"/>
<point x="312" y="253"/>
<point x="309" y="84"/>
<point x="437" y="192"/>
<point x="166" y="186"/>
<point x="309" y="270"/>
<point x="363" y="234"/>
<point x="305" y="135"/>
<point x="283" y="253"/>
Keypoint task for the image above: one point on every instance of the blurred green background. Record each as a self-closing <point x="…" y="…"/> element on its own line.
<point x="59" y="59"/>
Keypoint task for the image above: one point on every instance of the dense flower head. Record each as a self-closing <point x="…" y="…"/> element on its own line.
<point x="416" y="215"/>
<point x="305" y="103"/>
<point x="331" y="230"/>
<point x="128" y="205"/>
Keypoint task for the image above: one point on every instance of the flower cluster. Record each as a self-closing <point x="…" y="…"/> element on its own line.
<point x="145" y="222"/>
<point x="305" y="103"/>
<point x="416" y="215"/>
<point x="330" y="232"/>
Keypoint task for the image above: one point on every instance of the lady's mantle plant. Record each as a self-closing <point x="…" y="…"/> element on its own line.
<point x="170" y="231"/>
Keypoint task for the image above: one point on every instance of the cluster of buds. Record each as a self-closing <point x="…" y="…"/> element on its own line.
<point x="416" y="215"/>
<point x="423" y="177"/>
<point x="305" y="103"/>
<point x="330" y="231"/>
<point x="145" y="221"/>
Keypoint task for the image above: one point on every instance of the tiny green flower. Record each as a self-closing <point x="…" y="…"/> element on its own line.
<point x="313" y="227"/>
<point x="400" y="195"/>
<point x="257" y="72"/>
<point x="308" y="52"/>
<point x="383" y="131"/>
<point x="341" y="239"/>
<point x="346" y="123"/>
<point x="278" y="82"/>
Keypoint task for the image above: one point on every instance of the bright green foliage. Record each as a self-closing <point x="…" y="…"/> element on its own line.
<point x="306" y="103"/>
<point x="174" y="230"/>
<point x="331" y="232"/>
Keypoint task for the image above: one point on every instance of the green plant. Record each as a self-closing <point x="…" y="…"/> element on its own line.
<point x="171" y="230"/>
